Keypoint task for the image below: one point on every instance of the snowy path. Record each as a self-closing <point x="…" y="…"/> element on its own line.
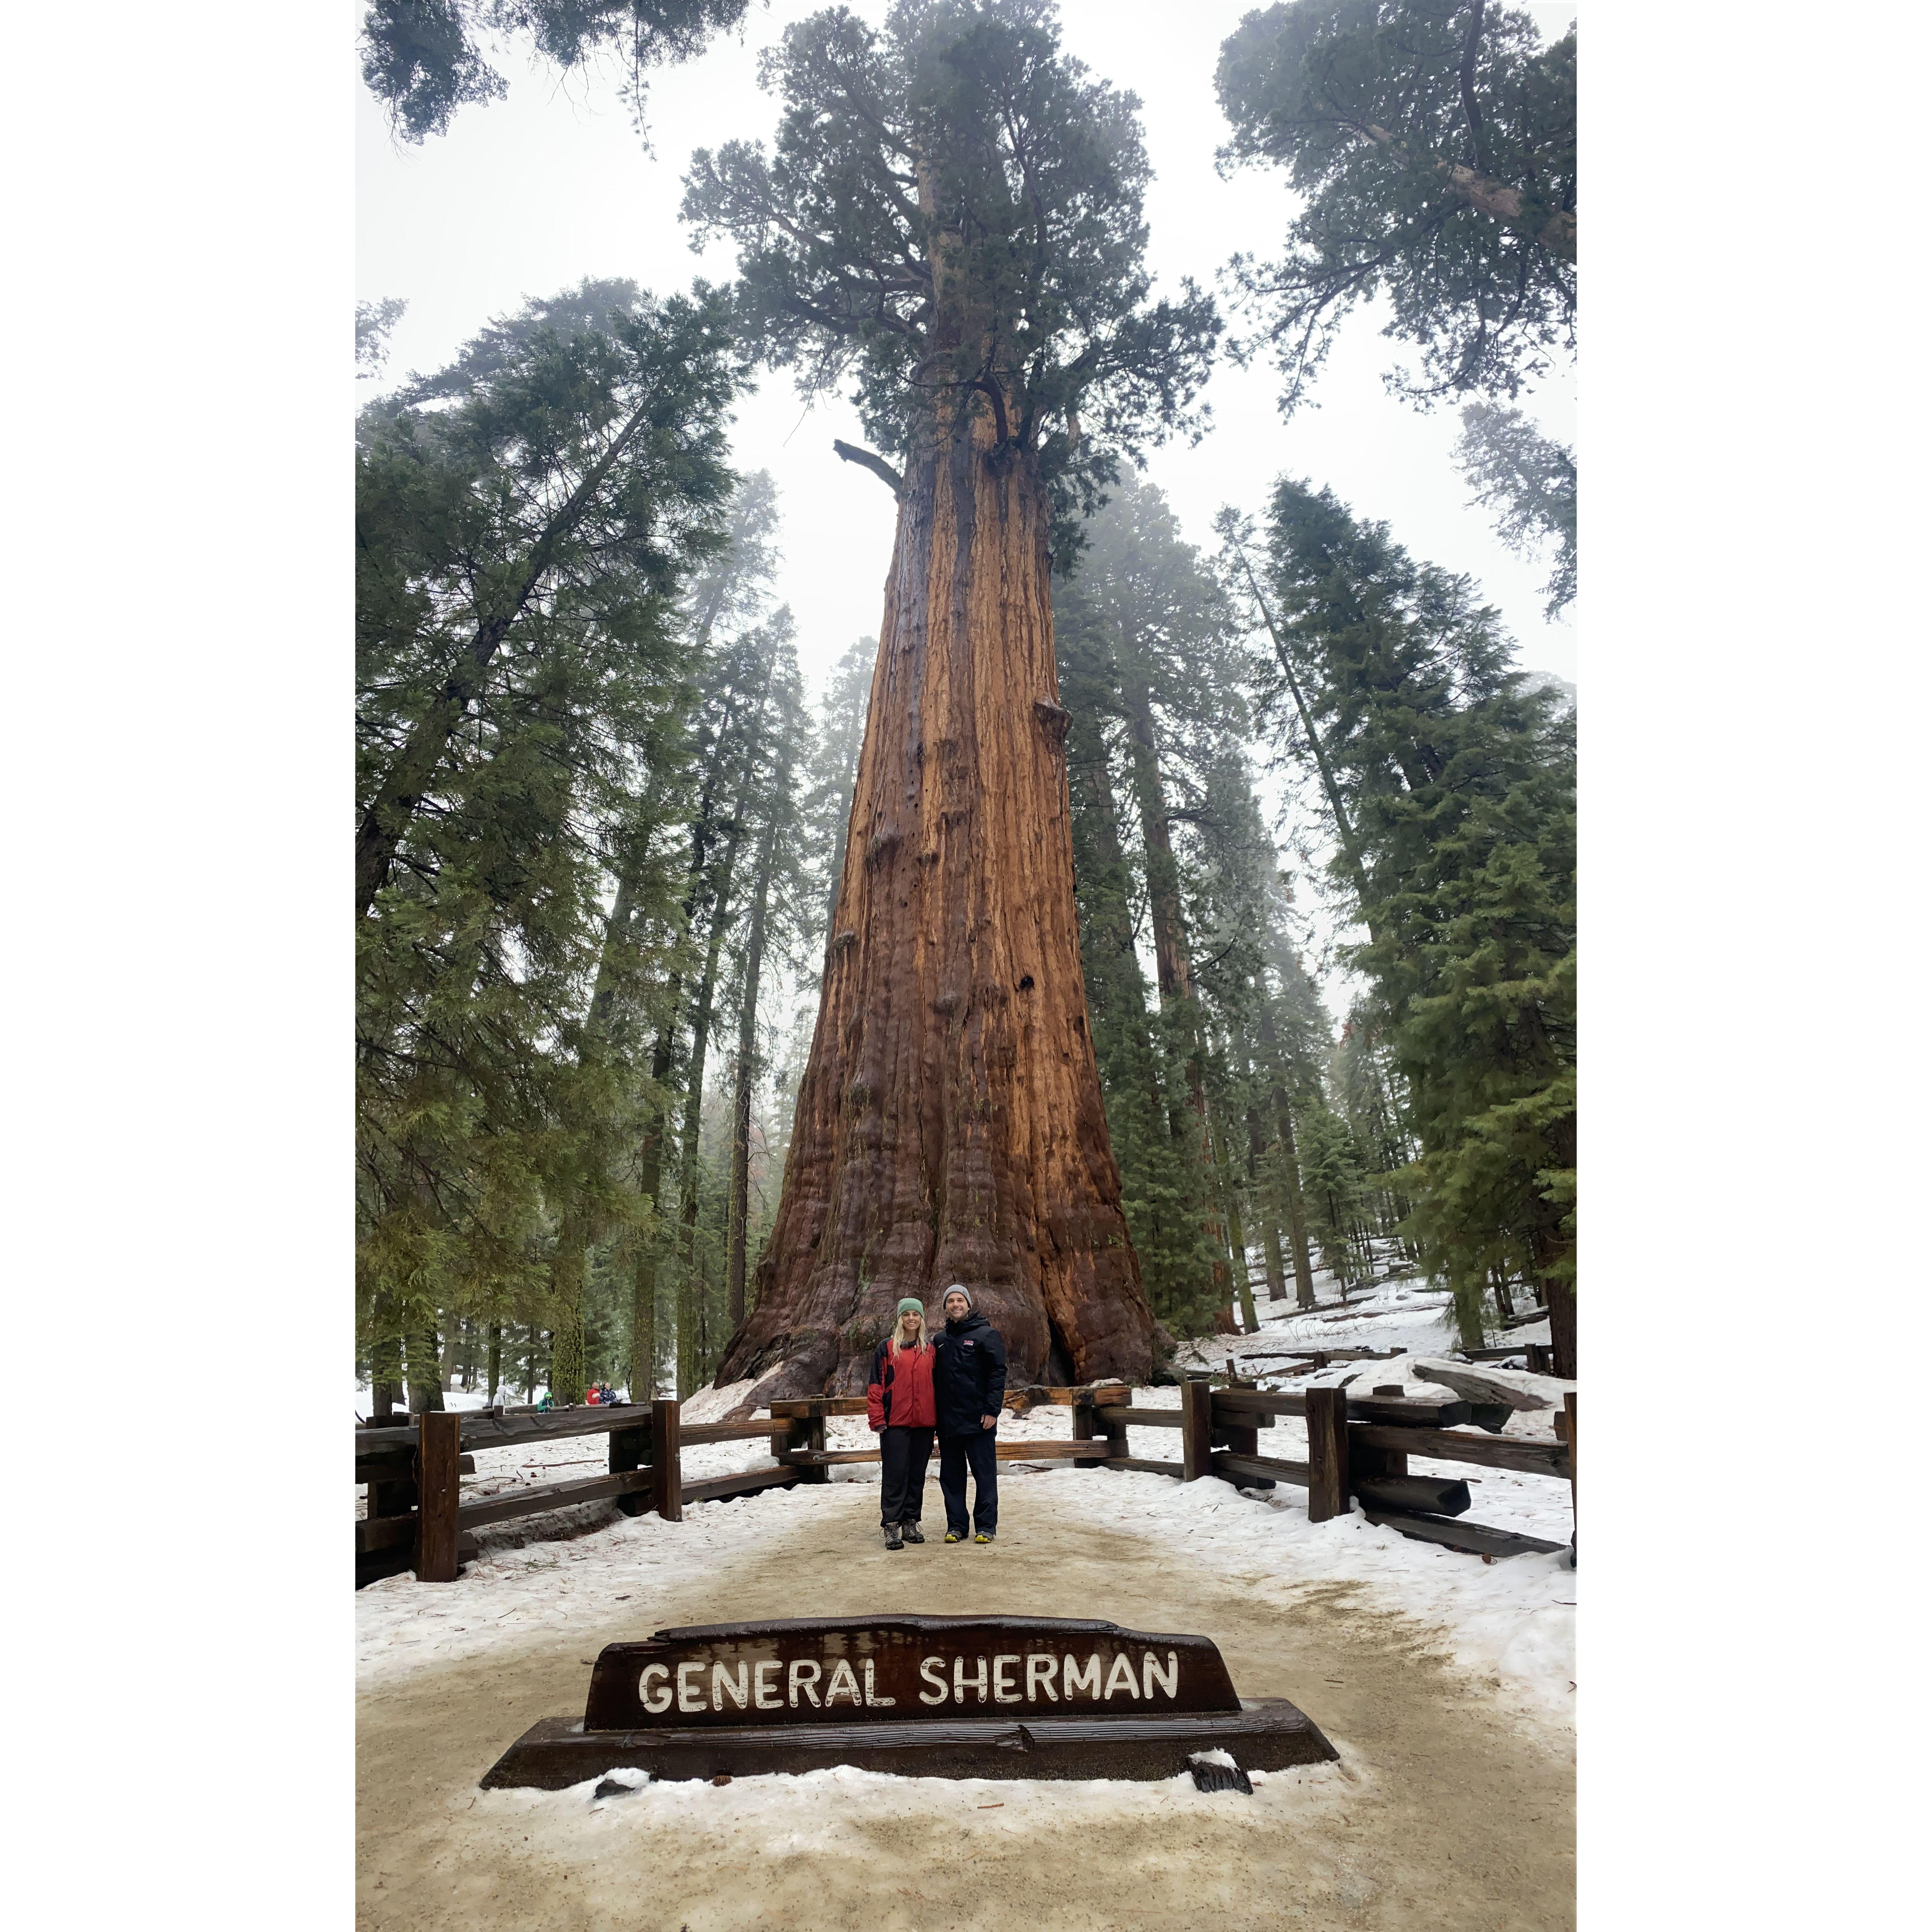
<point x="1447" y="1810"/>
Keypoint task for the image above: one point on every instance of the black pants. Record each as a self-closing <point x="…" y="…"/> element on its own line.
<point x="903" y="1456"/>
<point x="958" y="1453"/>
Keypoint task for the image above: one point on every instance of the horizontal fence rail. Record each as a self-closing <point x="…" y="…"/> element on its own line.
<point x="1358" y="1452"/>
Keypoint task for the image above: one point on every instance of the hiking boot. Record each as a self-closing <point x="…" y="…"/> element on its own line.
<point x="955" y="1536"/>
<point x="985" y="1536"/>
<point x="893" y="1541"/>
<point x="910" y="1530"/>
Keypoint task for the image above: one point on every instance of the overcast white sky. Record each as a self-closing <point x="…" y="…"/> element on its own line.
<point x="528" y="195"/>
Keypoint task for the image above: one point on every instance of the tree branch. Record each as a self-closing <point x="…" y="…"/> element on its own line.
<point x="1471" y="112"/>
<point x="847" y="453"/>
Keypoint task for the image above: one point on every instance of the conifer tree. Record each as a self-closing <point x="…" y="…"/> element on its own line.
<point x="1530" y="480"/>
<point x="424" y="58"/>
<point x="1432" y="146"/>
<point x="723" y="607"/>
<point x="1460" y="778"/>
<point x="781" y="916"/>
<point x="951" y="218"/>
<point x="525" y="520"/>
<point x="834" y="768"/>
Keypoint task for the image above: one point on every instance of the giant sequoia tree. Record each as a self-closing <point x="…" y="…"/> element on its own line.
<point x="951" y="217"/>
<point x="1433" y="146"/>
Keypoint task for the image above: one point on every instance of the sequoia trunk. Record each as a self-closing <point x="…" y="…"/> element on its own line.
<point x="949" y="1126"/>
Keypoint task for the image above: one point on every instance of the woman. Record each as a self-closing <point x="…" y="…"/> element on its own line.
<point x="899" y="1404"/>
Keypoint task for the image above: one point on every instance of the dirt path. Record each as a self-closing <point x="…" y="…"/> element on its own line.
<point x="1443" y="1814"/>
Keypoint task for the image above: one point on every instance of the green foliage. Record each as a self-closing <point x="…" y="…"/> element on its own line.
<point x="1461" y="782"/>
<point x="951" y="216"/>
<point x="423" y="59"/>
<point x="832" y="772"/>
<point x="491" y="1105"/>
<point x="373" y="322"/>
<point x="1530" y="481"/>
<point x="1432" y="146"/>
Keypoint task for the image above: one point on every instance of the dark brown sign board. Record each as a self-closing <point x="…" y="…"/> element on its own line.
<point x="927" y="1696"/>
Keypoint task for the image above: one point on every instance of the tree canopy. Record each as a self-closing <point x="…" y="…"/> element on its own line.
<point x="1433" y="143"/>
<point x="952" y="212"/>
<point x="423" y="59"/>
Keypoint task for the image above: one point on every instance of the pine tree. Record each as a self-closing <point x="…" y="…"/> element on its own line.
<point x="722" y="610"/>
<point x="834" y="769"/>
<point x="1460" y="778"/>
<point x="1530" y="480"/>
<point x="1432" y="144"/>
<point x="781" y="913"/>
<point x="952" y="218"/>
<point x="525" y="520"/>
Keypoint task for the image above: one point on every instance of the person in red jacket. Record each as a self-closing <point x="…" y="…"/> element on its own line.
<point x="899" y="1404"/>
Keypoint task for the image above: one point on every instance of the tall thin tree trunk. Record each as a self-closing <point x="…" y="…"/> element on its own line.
<point x="385" y="1357"/>
<point x="1277" y="1285"/>
<point x="566" y="1305"/>
<point x="949" y="1124"/>
<point x="1172" y="967"/>
<point x="1291" y="1165"/>
<point x="495" y="1360"/>
<point x="425" y="1370"/>
<point x="693" y="1121"/>
<point x="747" y="1070"/>
<point x="1238" y="1240"/>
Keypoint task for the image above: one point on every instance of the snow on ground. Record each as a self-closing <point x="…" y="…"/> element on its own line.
<point x="521" y="1588"/>
<point x="1513" y="1620"/>
<point x="780" y="1814"/>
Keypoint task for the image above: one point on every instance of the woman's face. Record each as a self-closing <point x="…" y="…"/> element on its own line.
<point x="909" y="1327"/>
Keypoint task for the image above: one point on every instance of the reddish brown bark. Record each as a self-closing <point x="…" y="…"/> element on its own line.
<point x="949" y="1125"/>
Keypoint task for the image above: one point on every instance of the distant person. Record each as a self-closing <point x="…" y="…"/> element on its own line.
<point x="899" y="1405"/>
<point x="969" y="1384"/>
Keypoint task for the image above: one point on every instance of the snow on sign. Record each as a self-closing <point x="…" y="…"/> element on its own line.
<point x="930" y="1696"/>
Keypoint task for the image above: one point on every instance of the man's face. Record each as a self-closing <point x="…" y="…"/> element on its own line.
<point x="956" y="1306"/>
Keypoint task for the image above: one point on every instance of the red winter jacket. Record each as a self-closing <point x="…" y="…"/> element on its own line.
<point x="900" y="1393"/>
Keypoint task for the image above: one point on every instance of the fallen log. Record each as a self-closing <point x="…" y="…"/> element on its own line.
<point x="716" y="1488"/>
<point x="540" y="1497"/>
<point x="1228" y="1464"/>
<point x="1473" y="1539"/>
<point x="1515" y="1387"/>
<point x="1440" y="1495"/>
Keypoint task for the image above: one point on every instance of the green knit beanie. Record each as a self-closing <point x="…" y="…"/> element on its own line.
<point x="910" y="1306"/>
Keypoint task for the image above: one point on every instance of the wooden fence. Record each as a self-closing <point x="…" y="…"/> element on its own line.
<point x="418" y="1518"/>
<point x="1358" y="1449"/>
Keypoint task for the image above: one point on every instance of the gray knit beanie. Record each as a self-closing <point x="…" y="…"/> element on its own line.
<point x="957" y="1287"/>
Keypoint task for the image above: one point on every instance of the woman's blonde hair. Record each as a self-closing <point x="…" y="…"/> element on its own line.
<point x="924" y="1342"/>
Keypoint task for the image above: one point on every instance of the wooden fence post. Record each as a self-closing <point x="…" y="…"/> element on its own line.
<point x="439" y="1483"/>
<point x="1197" y="1429"/>
<point x="1247" y="1441"/>
<point x="630" y="1449"/>
<point x="1327" y="1410"/>
<point x="667" y="1474"/>
<point x="1083" y="1427"/>
<point x="1570" y="1441"/>
<point x="807" y="1431"/>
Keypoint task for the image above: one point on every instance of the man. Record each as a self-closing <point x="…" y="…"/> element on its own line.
<point x="969" y="1384"/>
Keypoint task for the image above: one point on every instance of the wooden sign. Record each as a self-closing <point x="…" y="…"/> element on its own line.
<point x="932" y="1696"/>
<point x="863" y="1669"/>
